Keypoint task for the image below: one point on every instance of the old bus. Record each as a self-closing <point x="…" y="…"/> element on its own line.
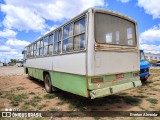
<point x="95" y="54"/>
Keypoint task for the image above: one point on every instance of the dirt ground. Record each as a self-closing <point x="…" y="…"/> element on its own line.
<point x="19" y="93"/>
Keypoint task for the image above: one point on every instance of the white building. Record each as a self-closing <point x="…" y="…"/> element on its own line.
<point x="151" y="56"/>
<point x="1" y="64"/>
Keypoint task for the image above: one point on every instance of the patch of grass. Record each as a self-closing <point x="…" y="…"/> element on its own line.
<point x="71" y="107"/>
<point x="25" y="107"/>
<point x="61" y="102"/>
<point x="16" y="99"/>
<point x="41" y="106"/>
<point x="35" y="100"/>
<point x="152" y="100"/>
<point x="50" y="96"/>
<point x="55" y="109"/>
<point x="77" y="104"/>
<point x="32" y="93"/>
<point x="131" y="100"/>
<point x="27" y="103"/>
<point x="20" y="88"/>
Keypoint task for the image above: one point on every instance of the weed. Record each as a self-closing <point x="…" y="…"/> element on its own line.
<point x="32" y="93"/>
<point x="131" y="100"/>
<point x="55" y="109"/>
<point x="61" y="102"/>
<point x="20" y="88"/>
<point x="49" y="96"/>
<point x="41" y="106"/>
<point x="27" y="103"/>
<point x="152" y="100"/>
<point x="15" y="99"/>
<point x="25" y="107"/>
<point x="71" y="107"/>
<point x="35" y="100"/>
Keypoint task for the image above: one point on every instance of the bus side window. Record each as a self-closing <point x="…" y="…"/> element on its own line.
<point x="45" y="42"/>
<point x="57" y="41"/>
<point x="68" y="38"/>
<point x="34" y="49"/>
<point x="37" y="50"/>
<point x="41" y="48"/>
<point x="50" y="45"/>
<point x="79" y="34"/>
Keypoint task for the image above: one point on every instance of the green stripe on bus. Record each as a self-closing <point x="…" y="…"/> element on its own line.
<point x="77" y="84"/>
<point x="73" y="83"/>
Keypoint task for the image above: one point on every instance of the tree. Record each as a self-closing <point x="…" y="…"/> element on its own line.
<point x="13" y="60"/>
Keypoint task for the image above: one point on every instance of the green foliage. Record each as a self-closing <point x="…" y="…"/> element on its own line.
<point x="152" y="100"/>
<point x="14" y="60"/>
<point x="35" y="100"/>
<point x="16" y="99"/>
<point x="49" y="96"/>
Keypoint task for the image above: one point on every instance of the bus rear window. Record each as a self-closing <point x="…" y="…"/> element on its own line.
<point x="114" y="30"/>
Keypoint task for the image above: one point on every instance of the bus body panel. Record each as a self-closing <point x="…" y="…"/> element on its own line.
<point x="72" y="83"/>
<point x="69" y="63"/>
<point x="106" y="63"/>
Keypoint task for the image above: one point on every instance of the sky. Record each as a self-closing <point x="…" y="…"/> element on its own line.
<point x="23" y="21"/>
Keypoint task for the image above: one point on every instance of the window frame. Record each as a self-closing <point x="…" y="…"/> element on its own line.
<point x="49" y="44"/>
<point x="34" y="50"/>
<point x="119" y="16"/>
<point x="45" y="47"/>
<point x="75" y="35"/>
<point x="57" y="42"/>
<point x="41" y="47"/>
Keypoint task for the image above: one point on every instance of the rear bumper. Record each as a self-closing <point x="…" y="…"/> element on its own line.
<point x="114" y="89"/>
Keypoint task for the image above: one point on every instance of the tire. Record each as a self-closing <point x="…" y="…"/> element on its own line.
<point x="29" y="77"/>
<point x="47" y="83"/>
<point x="144" y="80"/>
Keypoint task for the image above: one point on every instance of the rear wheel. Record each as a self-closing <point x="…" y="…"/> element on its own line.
<point x="47" y="82"/>
<point x="29" y="77"/>
<point x="144" y="80"/>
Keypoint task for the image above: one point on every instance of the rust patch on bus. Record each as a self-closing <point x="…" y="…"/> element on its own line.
<point x="107" y="47"/>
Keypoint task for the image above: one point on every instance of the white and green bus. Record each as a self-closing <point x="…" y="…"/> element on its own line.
<point x="95" y="54"/>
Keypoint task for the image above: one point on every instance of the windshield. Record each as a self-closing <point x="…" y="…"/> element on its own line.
<point x="114" y="30"/>
<point x="142" y="57"/>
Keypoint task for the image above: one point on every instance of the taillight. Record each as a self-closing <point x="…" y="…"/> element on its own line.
<point x="96" y="80"/>
<point x="118" y="76"/>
